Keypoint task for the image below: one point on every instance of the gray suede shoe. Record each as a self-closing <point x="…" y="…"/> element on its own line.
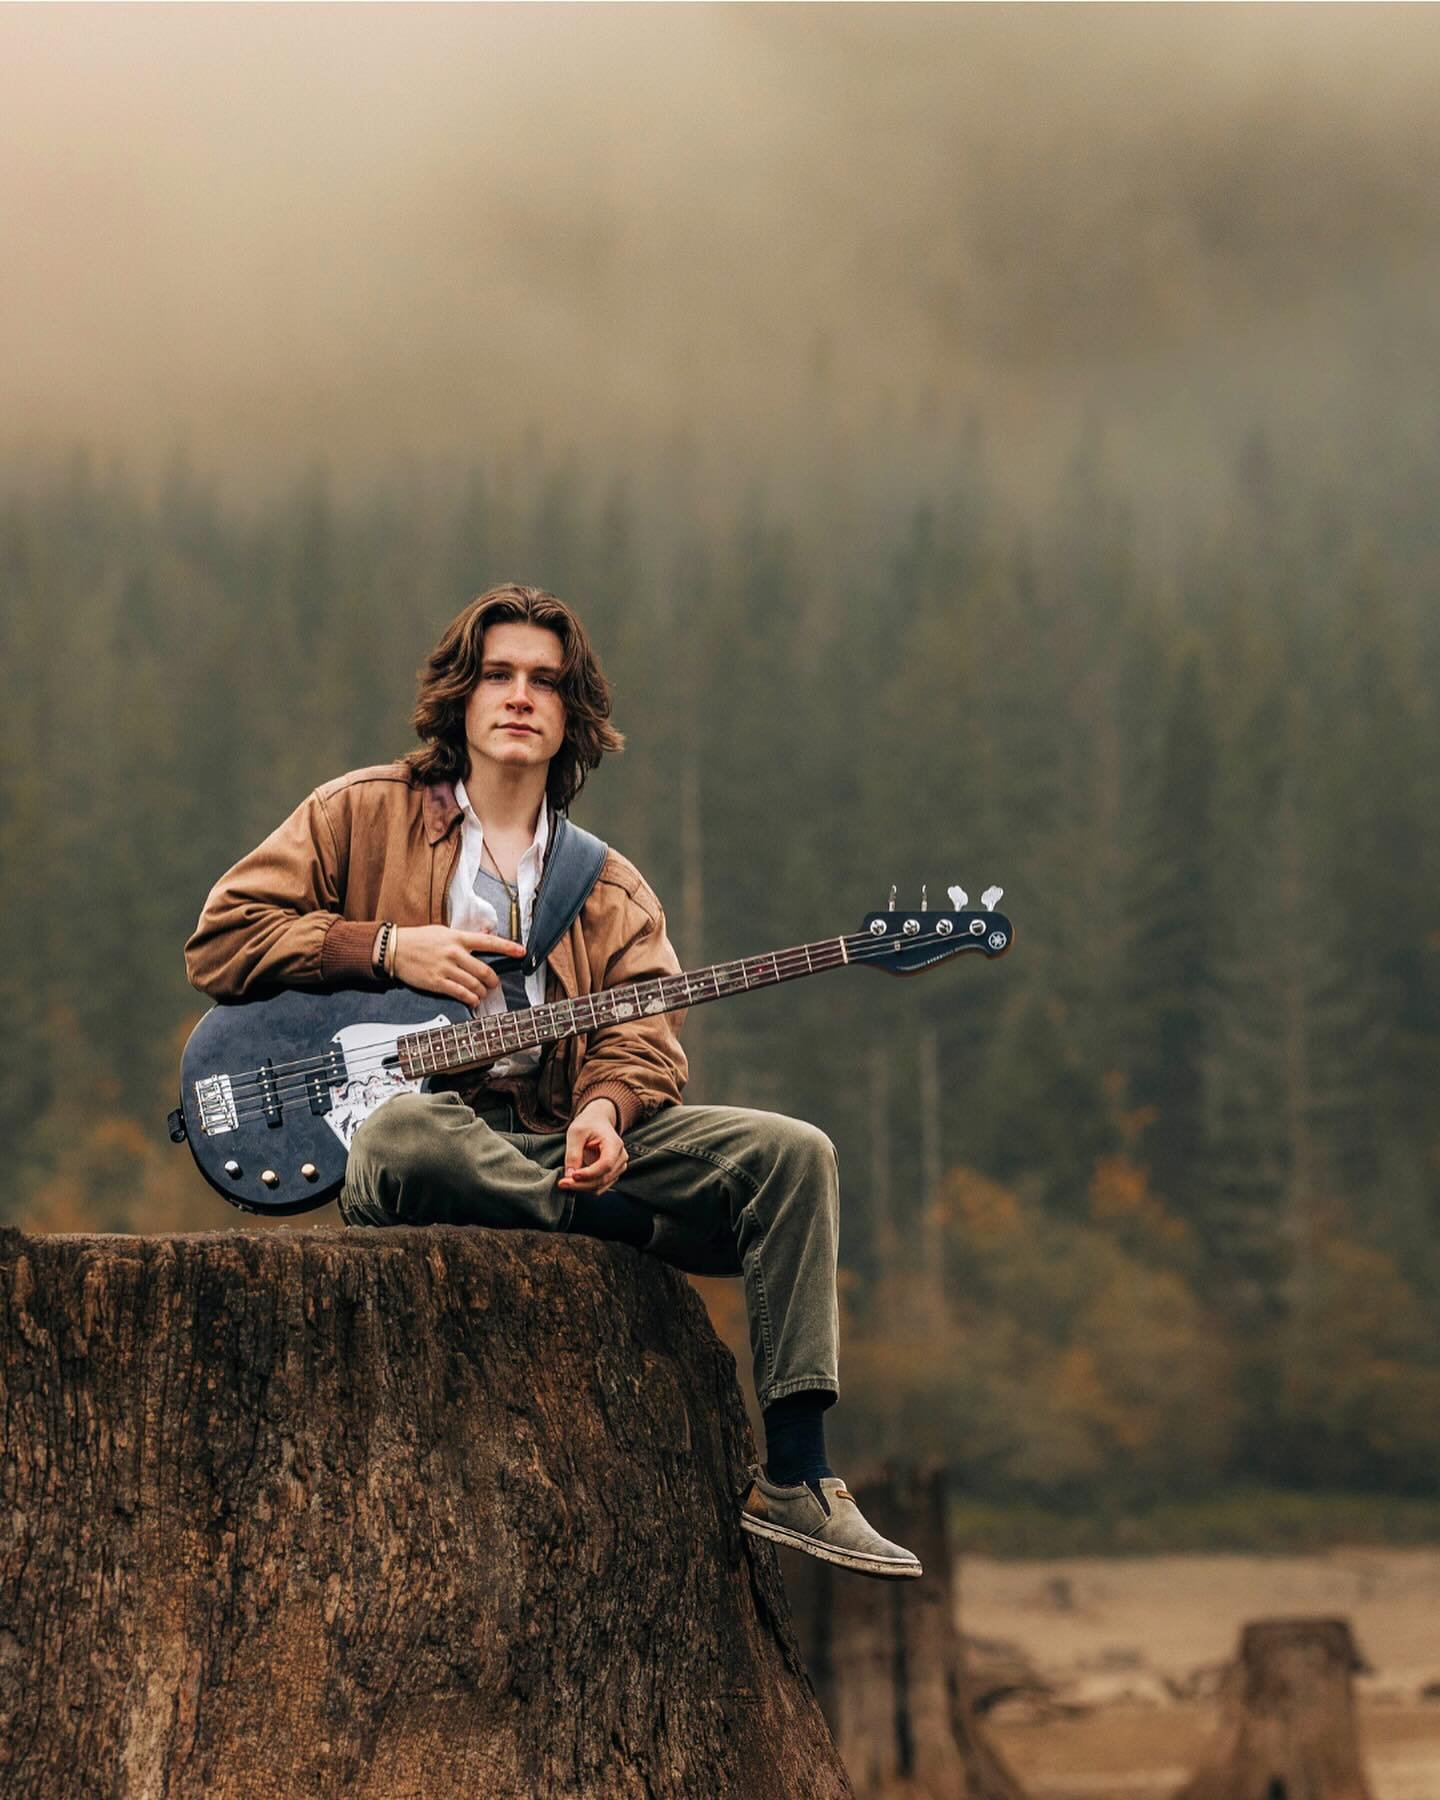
<point x="830" y="1526"/>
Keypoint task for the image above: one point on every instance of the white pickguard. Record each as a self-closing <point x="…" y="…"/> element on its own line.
<point x="365" y="1047"/>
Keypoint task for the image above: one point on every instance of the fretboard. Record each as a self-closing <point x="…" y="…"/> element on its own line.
<point x="447" y="1049"/>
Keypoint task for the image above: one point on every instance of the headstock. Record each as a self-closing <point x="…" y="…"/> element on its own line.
<point x="903" y="943"/>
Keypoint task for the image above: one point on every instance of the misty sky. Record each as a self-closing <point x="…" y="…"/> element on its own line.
<point x="273" y="234"/>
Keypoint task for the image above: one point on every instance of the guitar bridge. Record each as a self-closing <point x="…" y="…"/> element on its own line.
<point x="216" y="1101"/>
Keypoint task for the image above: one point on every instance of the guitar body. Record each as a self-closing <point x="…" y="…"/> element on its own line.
<point x="260" y="1094"/>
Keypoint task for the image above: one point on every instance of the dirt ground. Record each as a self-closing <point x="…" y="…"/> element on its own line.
<point x="1119" y="1636"/>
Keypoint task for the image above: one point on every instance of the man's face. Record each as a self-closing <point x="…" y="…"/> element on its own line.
<point x="515" y="716"/>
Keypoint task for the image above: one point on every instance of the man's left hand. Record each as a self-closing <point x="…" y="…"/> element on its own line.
<point x="595" y="1155"/>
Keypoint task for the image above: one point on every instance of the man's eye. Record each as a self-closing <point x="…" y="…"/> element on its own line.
<point x="546" y="681"/>
<point x="493" y="675"/>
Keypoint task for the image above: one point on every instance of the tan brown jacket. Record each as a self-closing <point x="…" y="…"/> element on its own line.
<point x="303" y="909"/>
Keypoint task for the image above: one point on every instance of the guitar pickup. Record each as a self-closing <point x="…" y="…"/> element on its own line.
<point x="269" y="1095"/>
<point x="334" y="1074"/>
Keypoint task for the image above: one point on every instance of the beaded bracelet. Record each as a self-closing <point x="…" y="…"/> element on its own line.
<point x="379" y="964"/>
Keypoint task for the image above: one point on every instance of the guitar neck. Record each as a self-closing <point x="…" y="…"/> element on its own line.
<point x="450" y="1049"/>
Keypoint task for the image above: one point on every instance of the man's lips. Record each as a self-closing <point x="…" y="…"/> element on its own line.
<point x="527" y="730"/>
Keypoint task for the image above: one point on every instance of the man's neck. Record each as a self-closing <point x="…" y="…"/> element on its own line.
<point x="508" y="801"/>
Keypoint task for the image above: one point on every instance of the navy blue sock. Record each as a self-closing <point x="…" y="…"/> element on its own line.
<point x="611" y="1215"/>
<point x="795" y="1437"/>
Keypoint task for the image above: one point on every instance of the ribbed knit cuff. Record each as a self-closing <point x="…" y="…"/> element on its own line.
<point x="628" y="1103"/>
<point x="346" y="950"/>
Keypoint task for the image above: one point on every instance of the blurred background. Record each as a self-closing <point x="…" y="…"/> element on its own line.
<point x="992" y="444"/>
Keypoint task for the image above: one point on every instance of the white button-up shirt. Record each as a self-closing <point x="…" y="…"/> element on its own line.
<point x="468" y="910"/>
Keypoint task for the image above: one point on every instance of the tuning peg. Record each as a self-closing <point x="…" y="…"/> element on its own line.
<point x="959" y="899"/>
<point x="924" y="896"/>
<point x="989" y="897"/>
<point x="892" y="896"/>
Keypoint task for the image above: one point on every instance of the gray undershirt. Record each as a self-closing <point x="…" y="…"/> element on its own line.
<point x="491" y="888"/>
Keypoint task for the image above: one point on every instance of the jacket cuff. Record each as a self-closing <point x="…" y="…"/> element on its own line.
<point x="628" y="1104"/>
<point x="346" y="949"/>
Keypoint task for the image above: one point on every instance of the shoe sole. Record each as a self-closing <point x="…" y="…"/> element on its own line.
<point x="881" y="1568"/>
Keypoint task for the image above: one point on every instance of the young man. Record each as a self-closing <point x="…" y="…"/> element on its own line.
<point x="411" y="871"/>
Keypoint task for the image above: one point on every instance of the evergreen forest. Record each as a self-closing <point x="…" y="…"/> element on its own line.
<point x="1148" y="1207"/>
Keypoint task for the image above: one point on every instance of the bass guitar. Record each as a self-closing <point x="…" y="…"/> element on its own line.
<point x="273" y="1090"/>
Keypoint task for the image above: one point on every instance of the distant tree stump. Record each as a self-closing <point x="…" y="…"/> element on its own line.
<point x="1288" y="1718"/>
<point x="888" y="1662"/>
<point x="385" y="1514"/>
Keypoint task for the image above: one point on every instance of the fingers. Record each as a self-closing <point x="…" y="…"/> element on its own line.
<point x="459" y="990"/>
<point x="464" y="980"/>
<point x="589" y="1181"/>
<point x="441" y="961"/>
<point x="594" y="1160"/>
<point x="479" y="973"/>
<point x="489" y="943"/>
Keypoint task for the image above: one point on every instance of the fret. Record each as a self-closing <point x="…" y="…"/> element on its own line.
<point x="651" y="997"/>
<point x="760" y="974"/>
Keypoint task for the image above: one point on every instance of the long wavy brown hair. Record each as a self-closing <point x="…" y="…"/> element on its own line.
<point x="453" y="668"/>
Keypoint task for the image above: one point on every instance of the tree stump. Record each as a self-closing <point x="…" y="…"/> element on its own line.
<point x="888" y="1661"/>
<point x="381" y="1513"/>
<point x="1288" y="1718"/>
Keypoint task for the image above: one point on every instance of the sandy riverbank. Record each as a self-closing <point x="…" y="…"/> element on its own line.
<point x="1120" y="1635"/>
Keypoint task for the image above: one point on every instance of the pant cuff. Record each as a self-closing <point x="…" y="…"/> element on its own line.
<point x="802" y="1384"/>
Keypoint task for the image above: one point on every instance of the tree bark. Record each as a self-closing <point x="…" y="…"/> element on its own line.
<point x="888" y="1660"/>
<point x="1288" y="1726"/>
<point x="384" y="1513"/>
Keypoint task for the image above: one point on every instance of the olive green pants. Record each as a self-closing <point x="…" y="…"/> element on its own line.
<point x="734" y="1192"/>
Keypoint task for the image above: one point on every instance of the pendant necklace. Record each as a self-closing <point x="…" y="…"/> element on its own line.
<point x="512" y="893"/>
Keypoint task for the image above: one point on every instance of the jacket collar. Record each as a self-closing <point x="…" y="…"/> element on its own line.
<point x="441" y="809"/>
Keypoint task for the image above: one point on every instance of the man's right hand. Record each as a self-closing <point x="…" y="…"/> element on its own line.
<point x="441" y="961"/>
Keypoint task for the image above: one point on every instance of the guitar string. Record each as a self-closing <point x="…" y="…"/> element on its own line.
<point x="298" y="1078"/>
<point x="313" y="1063"/>
<point x="790" y="960"/>
<point x="861" y="941"/>
<point x="297" y="1085"/>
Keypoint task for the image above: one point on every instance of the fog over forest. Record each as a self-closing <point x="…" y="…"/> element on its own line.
<point x="785" y="236"/>
<point x="988" y="444"/>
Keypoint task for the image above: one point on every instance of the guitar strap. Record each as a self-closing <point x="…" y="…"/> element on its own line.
<point x="573" y="863"/>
